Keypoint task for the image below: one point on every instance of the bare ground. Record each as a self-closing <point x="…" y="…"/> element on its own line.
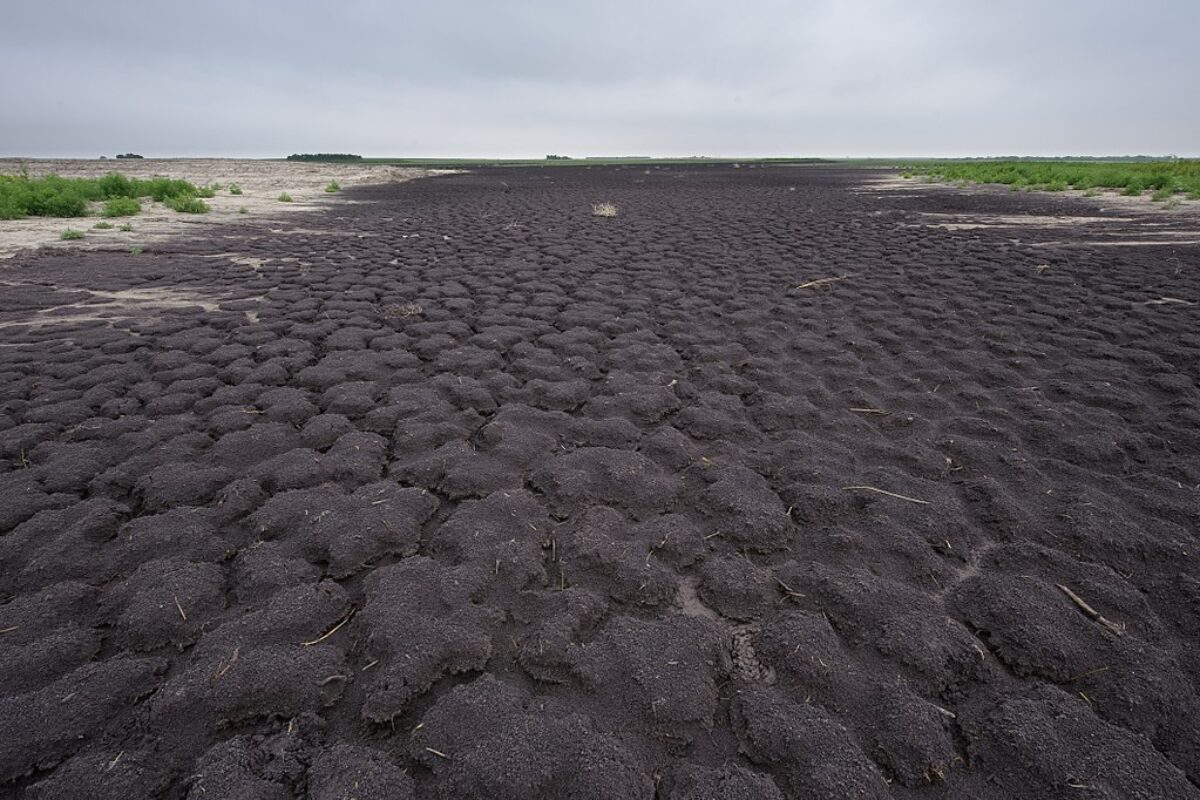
<point x="763" y="488"/>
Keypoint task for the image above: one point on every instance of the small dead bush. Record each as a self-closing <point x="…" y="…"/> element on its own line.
<point x="604" y="210"/>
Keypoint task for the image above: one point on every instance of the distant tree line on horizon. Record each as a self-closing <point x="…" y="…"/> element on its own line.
<point x="324" y="157"/>
<point x="129" y="155"/>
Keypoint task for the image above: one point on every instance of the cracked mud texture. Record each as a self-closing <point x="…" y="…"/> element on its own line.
<point x="473" y="494"/>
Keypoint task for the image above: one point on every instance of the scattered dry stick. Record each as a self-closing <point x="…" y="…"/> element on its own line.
<point x="176" y="599"/>
<point x="226" y="666"/>
<point x="871" y="411"/>
<point x="437" y="753"/>
<point x="1090" y="612"/>
<point x="1090" y="672"/>
<point x="884" y="491"/>
<point x="329" y="632"/>
<point x="820" y="282"/>
<point x="787" y="590"/>
<point x="9" y="630"/>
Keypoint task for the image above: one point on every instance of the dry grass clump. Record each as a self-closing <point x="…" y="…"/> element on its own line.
<point x="604" y="210"/>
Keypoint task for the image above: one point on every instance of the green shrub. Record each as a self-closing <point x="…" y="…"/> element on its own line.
<point x="70" y="234"/>
<point x="1165" y="193"/>
<point x="206" y="191"/>
<point x="137" y="250"/>
<point x="122" y="207"/>
<point x="243" y="210"/>
<point x="103" y="226"/>
<point x="285" y="198"/>
<point x="333" y="187"/>
<point x="1131" y="177"/>
<point x="162" y="188"/>
<point x="126" y="227"/>
<point x="235" y="189"/>
<point x="187" y="204"/>
<point x="114" y="184"/>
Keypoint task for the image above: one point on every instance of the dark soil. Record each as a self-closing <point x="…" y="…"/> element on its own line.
<point x="478" y="495"/>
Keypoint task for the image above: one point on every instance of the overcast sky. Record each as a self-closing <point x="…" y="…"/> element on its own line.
<point x="651" y="77"/>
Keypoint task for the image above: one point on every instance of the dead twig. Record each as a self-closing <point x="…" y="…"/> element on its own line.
<point x="871" y="411"/>
<point x="220" y="673"/>
<point x="787" y="590"/>
<point x="1090" y="612"/>
<point x="176" y="599"/>
<point x="820" y="282"/>
<point x="884" y="491"/>
<point x="9" y="630"/>
<point x="1089" y="673"/>
<point x="331" y="631"/>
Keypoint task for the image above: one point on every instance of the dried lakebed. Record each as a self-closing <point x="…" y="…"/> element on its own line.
<point x="765" y="487"/>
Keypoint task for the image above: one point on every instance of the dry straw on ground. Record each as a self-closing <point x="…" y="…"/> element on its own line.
<point x="604" y="210"/>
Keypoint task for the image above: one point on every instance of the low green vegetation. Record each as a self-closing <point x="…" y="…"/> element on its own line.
<point x="206" y="191"/>
<point x="126" y="227"/>
<point x="56" y="196"/>
<point x="70" y="234"/>
<point x="187" y="204"/>
<point x="103" y="226"/>
<point x="243" y="210"/>
<point x="235" y="189"/>
<point x="1165" y="178"/>
<point x="285" y="198"/>
<point x="333" y="187"/>
<point x="122" y="207"/>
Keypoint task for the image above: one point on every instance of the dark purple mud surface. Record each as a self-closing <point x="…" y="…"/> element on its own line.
<point x="480" y="496"/>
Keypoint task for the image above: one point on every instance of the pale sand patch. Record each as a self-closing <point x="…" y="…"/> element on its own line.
<point x="261" y="182"/>
<point x="1011" y="220"/>
<point x="1123" y="242"/>
<point x="107" y="306"/>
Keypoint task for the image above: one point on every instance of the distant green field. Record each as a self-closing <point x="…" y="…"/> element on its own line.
<point x="1165" y="178"/>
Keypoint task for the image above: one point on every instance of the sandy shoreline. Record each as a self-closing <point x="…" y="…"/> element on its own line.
<point x="261" y="182"/>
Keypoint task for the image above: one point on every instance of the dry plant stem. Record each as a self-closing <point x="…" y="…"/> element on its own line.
<point x="820" y="282"/>
<point x="1087" y="674"/>
<point x="1090" y="612"/>
<point x="889" y="494"/>
<point x="329" y="632"/>
<point x="225" y="667"/>
<point x="787" y="590"/>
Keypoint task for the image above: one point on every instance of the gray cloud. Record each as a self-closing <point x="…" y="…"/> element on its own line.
<point x="766" y="77"/>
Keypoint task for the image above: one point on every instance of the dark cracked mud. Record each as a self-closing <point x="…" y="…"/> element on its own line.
<point x="476" y="495"/>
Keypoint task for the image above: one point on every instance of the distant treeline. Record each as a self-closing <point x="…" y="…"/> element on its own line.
<point x="128" y="155"/>
<point x="324" y="157"/>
